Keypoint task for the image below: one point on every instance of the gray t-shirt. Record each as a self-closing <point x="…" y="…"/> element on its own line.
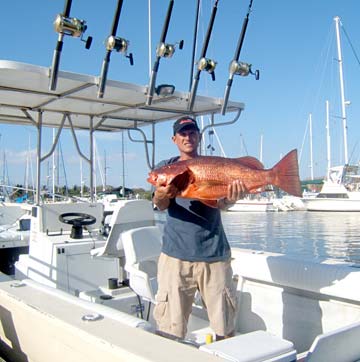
<point x="193" y="231"/>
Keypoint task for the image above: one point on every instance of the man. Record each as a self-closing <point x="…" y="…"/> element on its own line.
<point x="195" y="253"/>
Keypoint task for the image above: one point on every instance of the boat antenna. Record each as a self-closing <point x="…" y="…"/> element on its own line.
<point x="113" y="42"/>
<point x="65" y="25"/>
<point x="163" y="50"/>
<point x="236" y="67"/>
<point x="204" y="63"/>
<point x="194" y="43"/>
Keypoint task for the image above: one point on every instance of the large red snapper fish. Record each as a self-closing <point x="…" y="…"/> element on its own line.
<point x="207" y="177"/>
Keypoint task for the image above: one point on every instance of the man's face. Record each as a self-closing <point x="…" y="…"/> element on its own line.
<point x="187" y="140"/>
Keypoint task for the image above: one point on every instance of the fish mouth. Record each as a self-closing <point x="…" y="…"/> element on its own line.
<point x="151" y="180"/>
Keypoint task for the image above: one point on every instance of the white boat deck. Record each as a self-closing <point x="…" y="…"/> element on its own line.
<point x="292" y="300"/>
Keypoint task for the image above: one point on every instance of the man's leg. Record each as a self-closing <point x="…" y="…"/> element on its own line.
<point x="219" y="293"/>
<point x="175" y="295"/>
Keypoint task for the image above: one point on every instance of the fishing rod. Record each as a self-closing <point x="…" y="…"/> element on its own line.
<point x="65" y="25"/>
<point x="194" y="43"/>
<point x="163" y="50"/>
<point x="204" y="63"/>
<point x="113" y="43"/>
<point x="236" y="67"/>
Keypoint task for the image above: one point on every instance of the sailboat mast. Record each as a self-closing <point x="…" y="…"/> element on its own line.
<point x="123" y="163"/>
<point x="53" y="168"/>
<point x="342" y="93"/>
<point x="311" y="148"/>
<point x="328" y="145"/>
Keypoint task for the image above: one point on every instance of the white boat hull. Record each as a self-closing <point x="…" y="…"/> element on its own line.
<point x="340" y="192"/>
<point x="332" y="204"/>
<point x="291" y="299"/>
<point x="252" y="206"/>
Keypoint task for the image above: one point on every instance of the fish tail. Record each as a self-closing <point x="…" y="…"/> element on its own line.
<point x="286" y="173"/>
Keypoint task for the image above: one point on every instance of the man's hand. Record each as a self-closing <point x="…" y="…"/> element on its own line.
<point x="236" y="191"/>
<point x="163" y="194"/>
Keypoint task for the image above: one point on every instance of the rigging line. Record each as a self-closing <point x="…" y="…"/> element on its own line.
<point x="351" y="45"/>
<point x="353" y="151"/>
<point x="320" y="66"/>
<point x="303" y="142"/>
<point x="99" y="164"/>
<point x="325" y="54"/>
<point x="243" y="144"/>
<point x="64" y="170"/>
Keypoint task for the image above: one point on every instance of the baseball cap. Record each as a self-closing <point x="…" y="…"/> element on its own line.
<point x="185" y="122"/>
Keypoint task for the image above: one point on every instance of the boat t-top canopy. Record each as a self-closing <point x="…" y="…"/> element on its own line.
<point x="24" y="92"/>
<point x="25" y="99"/>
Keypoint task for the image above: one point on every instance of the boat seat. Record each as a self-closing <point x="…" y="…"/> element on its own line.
<point x="142" y="248"/>
<point x="258" y="346"/>
<point x="339" y="345"/>
<point x="127" y="215"/>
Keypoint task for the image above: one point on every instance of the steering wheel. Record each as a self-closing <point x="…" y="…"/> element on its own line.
<point x="77" y="220"/>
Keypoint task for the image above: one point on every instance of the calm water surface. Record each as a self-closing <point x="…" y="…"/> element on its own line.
<point x="307" y="235"/>
<point x="310" y="235"/>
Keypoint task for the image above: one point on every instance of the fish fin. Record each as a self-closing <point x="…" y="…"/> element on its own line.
<point x="251" y="162"/>
<point x="211" y="203"/>
<point x="287" y="174"/>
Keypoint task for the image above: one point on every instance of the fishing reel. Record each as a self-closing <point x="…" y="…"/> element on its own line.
<point x="166" y="50"/>
<point x="243" y="69"/>
<point x="73" y="27"/>
<point x="120" y="45"/>
<point x="208" y="65"/>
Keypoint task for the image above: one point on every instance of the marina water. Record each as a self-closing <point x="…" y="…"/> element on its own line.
<point x="302" y="234"/>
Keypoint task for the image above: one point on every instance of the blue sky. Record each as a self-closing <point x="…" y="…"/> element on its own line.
<point x="291" y="42"/>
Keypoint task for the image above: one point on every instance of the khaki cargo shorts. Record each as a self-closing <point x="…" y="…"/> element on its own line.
<point x="179" y="280"/>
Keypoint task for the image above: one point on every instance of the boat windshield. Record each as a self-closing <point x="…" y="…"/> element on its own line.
<point x="351" y="178"/>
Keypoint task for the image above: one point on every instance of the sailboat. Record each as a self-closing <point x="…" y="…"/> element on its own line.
<point x="341" y="189"/>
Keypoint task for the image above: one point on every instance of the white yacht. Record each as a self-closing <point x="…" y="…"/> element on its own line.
<point x="340" y="191"/>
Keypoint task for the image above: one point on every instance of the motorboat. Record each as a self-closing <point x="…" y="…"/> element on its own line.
<point x="96" y="295"/>
<point x="340" y="191"/>
<point x="80" y="295"/>
<point x="90" y="296"/>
